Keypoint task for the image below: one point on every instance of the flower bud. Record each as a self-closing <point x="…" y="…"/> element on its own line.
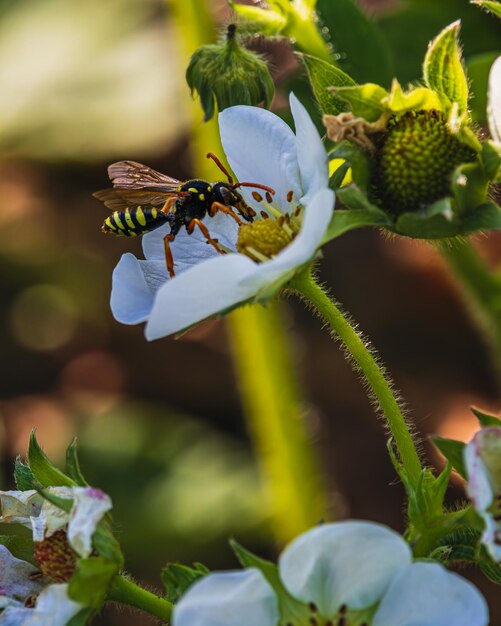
<point x="227" y="74"/>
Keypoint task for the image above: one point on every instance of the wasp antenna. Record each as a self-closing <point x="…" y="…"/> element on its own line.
<point x="256" y="186"/>
<point x="211" y="155"/>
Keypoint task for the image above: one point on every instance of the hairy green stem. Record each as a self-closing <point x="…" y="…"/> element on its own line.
<point x="481" y="289"/>
<point x="126" y="592"/>
<point x="292" y="480"/>
<point x="362" y="358"/>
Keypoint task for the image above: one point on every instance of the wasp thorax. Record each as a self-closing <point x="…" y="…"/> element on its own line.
<point x="415" y="158"/>
<point x="55" y="557"/>
<point x="265" y="238"/>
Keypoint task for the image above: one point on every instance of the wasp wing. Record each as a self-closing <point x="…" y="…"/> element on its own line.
<point x="121" y="199"/>
<point x="132" y="175"/>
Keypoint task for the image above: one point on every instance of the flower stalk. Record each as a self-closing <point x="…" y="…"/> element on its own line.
<point x="126" y="592"/>
<point x="363" y="360"/>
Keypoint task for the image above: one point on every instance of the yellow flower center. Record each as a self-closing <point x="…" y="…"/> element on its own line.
<point x="263" y="239"/>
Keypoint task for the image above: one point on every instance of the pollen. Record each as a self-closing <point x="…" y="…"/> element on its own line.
<point x="263" y="239"/>
<point x="55" y="557"/>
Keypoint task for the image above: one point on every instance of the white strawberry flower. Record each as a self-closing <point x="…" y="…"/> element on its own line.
<point x="261" y="256"/>
<point x="351" y="573"/>
<point x="483" y="464"/>
<point x="19" y="580"/>
<point x="494" y="101"/>
<point x="53" y="608"/>
<point x="32" y="510"/>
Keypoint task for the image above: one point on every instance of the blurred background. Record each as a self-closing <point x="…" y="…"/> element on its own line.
<point x="161" y="425"/>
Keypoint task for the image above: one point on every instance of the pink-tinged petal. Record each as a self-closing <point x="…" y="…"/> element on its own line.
<point x="89" y="507"/>
<point x="426" y="594"/>
<point x="261" y="148"/>
<point x="311" y="154"/>
<point x="241" y="598"/>
<point x="347" y="563"/>
<point x="206" y="289"/>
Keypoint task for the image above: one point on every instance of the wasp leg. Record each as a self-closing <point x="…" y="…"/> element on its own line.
<point x="218" y="206"/>
<point x="211" y="155"/>
<point x="169" y="258"/>
<point x="205" y="232"/>
<point x="168" y="205"/>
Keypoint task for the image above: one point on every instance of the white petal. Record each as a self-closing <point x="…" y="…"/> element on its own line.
<point x="317" y="216"/>
<point x="241" y="598"/>
<point x="311" y="154"/>
<point x="204" y="290"/>
<point x="426" y="594"/>
<point x="51" y="518"/>
<point x="15" y="581"/>
<point x="89" y="507"/>
<point x="19" y="506"/>
<point x="494" y="100"/>
<point x="261" y="148"/>
<point x="191" y="249"/>
<point x="133" y="288"/>
<point x="483" y="464"/>
<point x="350" y="563"/>
<point x="53" y="608"/>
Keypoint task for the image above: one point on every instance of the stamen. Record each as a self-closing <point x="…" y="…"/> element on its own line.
<point x="264" y="215"/>
<point x="269" y="198"/>
<point x="290" y="195"/>
<point x="257" y="196"/>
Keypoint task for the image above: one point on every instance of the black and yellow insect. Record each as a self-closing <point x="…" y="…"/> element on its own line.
<point x="143" y="199"/>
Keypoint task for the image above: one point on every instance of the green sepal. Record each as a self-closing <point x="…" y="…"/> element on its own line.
<point x="437" y="221"/>
<point x="47" y="474"/>
<point x="443" y="69"/>
<point x="485" y="419"/>
<point x="265" y="21"/>
<point x="292" y="611"/>
<point x="364" y="51"/>
<point x="453" y="451"/>
<point x="25" y="480"/>
<point x="416" y="99"/>
<point x="65" y="504"/>
<point x="336" y="180"/>
<point x="344" y="221"/>
<point x="469" y="187"/>
<point x="464" y="547"/>
<point x="73" y="465"/>
<point x="358" y="160"/>
<point x="365" y="100"/>
<point x="485" y="217"/>
<point x="490" y="5"/>
<point x="106" y="545"/>
<point x="177" y="579"/>
<point x="19" y="545"/>
<point x="81" y="618"/>
<point x="323" y="75"/>
<point x="92" y="578"/>
<point x="491" y="160"/>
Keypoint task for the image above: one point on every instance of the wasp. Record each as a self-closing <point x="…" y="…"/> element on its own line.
<point x="143" y="199"/>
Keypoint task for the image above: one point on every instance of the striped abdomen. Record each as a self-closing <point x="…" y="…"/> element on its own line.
<point x="134" y="222"/>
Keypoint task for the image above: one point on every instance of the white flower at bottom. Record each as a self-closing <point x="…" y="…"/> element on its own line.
<point x="494" y="100"/>
<point x="31" y="509"/>
<point x="53" y="608"/>
<point x="350" y="573"/>
<point x="260" y="148"/>
<point x="18" y="580"/>
<point x="483" y="464"/>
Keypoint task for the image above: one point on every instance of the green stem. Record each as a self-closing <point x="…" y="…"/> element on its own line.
<point x="363" y="360"/>
<point x="482" y="291"/>
<point x="126" y="592"/>
<point x="293" y="485"/>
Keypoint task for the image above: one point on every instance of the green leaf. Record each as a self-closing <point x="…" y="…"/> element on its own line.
<point x="73" y="465"/>
<point x="469" y="186"/>
<point x="65" y="504"/>
<point x="491" y="159"/>
<point x="437" y="222"/>
<point x="453" y="452"/>
<point x="20" y="546"/>
<point x="443" y="70"/>
<point x="365" y="100"/>
<point x="363" y="50"/>
<point x="177" y="579"/>
<point x="23" y="476"/>
<point x="354" y="198"/>
<point x="484" y="218"/>
<point x="90" y="583"/>
<point x="336" y="180"/>
<point x="323" y="75"/>
<point x="47" y="474"/>
<point x="417" y="99"/>
<point x="106" y="545"/>
<point x="493" y="7"/>
<point x="81" y="618"/>
<point x="478" y="68"/>
<point x="485" y="419"/>
<point x="265" y="21"/>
